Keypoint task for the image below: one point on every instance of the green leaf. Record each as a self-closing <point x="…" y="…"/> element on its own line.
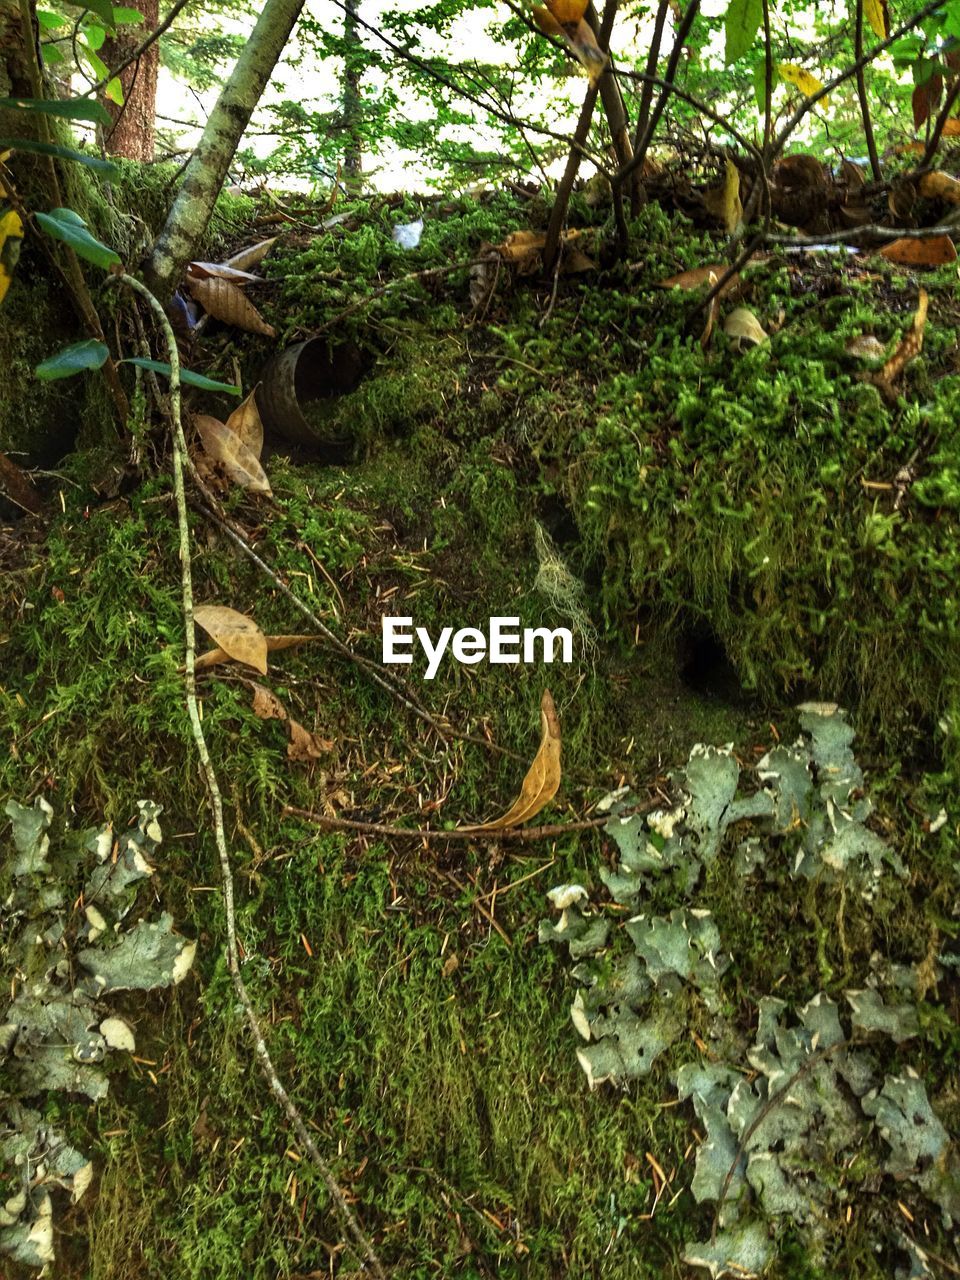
<point x="191" y="379"/>
<point x="96" y="62"/>
<point x="760" y="82"/>
<point x="70" y="109"/>
<point x="76" y="359"/>
<point x="68" y="226"/>
<point x="742" y="22"/>
<point x="124" y="17"/>
<point x="95" y="35"/>
<point x="102" y="8"/>
<point x="106" y="167"/>
<point x="114" y="91"/>
<point x="50" y="21"/>
<point x="51" y="55"/>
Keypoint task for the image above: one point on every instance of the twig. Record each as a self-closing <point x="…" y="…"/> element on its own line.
<point x="937" y="132"/>
<point x="478" y="906"/>
<point x="413" y="276"/>
<point x="552" y="832"/>
<point x="216" y="803"/>
<point x="862" y="96"/>
<point x="773" y="1101"/>
<point x="858" y="233"/>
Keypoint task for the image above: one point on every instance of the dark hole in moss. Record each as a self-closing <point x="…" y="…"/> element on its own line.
<point x="705" y="666"/>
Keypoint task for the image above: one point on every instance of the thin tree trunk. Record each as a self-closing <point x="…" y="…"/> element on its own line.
<point x="205" y="175"/>
<point x="133" y="131"/>
<point x="558" y="213"/>
<point x="351" y="105"/>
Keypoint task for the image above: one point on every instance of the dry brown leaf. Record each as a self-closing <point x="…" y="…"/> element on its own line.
<point x="741" y="326"/>
<point x="941" y="186"/>
<point x="566" y="11"/>
<point x="584" y="47"/>
<point x="253" y="256"/>
<point x="711" y="320"/>
<point x="220" y="271"/>
<point x="697" y="277"/>
<point x="543" y="778"/>
<point x="547" y="22"/>
<point x="520" y="245"/>
<point x="866" y="347"/>
<point x="266" y="704"/>
<point x="450" y="965"/>
<point x="235" y="633"/>
<point x="934" y="252"/>
<point x="224" y="301"/>
<point x="225" y="447"/>
<point x="304" y="745"/>
<point x="574" y="261"/>
<point x="911" y="345"/>
<point x="215" y="656"/>
<point x="245" y="422"/>
<point x="951" y="129"/>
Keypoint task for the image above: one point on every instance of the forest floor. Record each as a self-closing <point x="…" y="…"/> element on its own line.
<point x="727" y="536"/>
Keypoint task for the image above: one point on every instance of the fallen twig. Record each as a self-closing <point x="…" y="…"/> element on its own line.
<point x="391" y="832"/>
<point x="180" y="455"/>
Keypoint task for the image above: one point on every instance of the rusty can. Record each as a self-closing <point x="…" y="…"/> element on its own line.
<point x="299" y="387"/>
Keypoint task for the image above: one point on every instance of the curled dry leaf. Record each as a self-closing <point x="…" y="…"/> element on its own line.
<point x="224" y="446"/>
<point x="224" y="301"/>
<point x="909" y="348"/>
<point x="266" y="704"/>
<point x="543" y="778"/>
<point x="235" y="633"/>
<point x="253" y="256"/>
<point x="214" y="656"/>
<point x="724" y="201"/>
<point x="245" y="422"/>
<point x="304" y="745"/>
<point x="940" y="186"/>
<point x="742" y="326"/>
<point x="935" y="252"/>
<point x="220" y="271"/>
<point x="697" y="277"/>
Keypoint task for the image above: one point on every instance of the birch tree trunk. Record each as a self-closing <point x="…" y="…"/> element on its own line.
<point x="204" y="178"/>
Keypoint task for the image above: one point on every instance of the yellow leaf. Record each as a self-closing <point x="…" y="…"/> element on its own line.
<point x="235" y="633"/>
<point x="11" y="237"/>
<point x="567" y="11"/>
<point x="741" y="326"/>
<point x="543" y="778"/>
<point x="875" y="12"/>
<point x="724" y="201"/>
<point x="807" y="84"/>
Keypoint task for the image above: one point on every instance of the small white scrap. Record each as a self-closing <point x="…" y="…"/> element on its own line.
<point x="118" y="1034"/>
<point x="407" y="234"/>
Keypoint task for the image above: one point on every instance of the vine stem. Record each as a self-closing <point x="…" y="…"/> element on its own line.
<point x="296" y="1120"/>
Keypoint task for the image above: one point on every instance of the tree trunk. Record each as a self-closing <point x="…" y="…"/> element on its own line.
<point x="188" y="218"/>
<point x="133" y="130"/>
<point x="351" y="106"/>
